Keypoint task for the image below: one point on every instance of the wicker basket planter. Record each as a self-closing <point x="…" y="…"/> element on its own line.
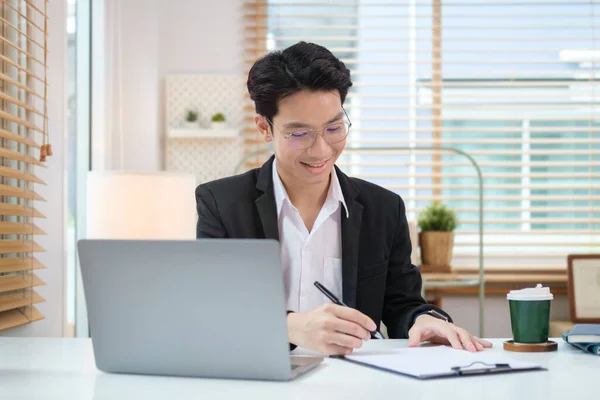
<point x="436" y="251"/>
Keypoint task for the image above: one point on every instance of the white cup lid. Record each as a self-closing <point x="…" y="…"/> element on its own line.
<point x="531" y="294"/>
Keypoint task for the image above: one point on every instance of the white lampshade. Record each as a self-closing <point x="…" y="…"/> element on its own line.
<point x="145" y="206"/>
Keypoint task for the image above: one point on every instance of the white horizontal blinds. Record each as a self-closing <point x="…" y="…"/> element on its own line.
<point x="23" y="130"/>
<point x="537" y="91"/>
<point x="511" y="83"/>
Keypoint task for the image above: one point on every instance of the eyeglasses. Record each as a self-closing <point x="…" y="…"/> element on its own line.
<point x="301" y="139"/>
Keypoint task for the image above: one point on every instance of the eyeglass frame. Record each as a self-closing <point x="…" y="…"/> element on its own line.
<point x="320" y="132"/>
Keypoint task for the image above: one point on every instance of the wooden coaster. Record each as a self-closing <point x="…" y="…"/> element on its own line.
<point x="511" y="345"/>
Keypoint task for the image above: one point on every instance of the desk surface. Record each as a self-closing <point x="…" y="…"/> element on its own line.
<point x="64" y="369"/>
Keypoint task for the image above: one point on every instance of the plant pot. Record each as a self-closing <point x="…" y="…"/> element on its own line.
<point x="190" y="125"/>
<point x="217" y="125"/>
<point x="436" y="251"/>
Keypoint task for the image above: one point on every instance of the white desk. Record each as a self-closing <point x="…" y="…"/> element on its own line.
<point x="65" y="369"/>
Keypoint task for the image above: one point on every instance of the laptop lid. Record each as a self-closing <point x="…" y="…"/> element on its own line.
<point x="205" y="308"/>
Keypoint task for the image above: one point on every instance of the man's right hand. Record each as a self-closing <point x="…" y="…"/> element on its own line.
<point x="330" y="329"/>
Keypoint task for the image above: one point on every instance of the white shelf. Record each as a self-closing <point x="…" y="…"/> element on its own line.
<point x="203" y="133"/>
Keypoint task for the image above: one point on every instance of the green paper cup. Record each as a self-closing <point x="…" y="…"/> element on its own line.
<point x="530" y="314"/>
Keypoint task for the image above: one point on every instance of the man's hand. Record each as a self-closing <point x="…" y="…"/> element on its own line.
<point x="330" y="329"/>
<point x="434" y="330"/>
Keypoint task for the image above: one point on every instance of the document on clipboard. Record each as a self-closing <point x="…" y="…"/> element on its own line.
<point x="439" y="362"/>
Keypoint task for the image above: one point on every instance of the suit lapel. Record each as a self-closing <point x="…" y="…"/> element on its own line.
<point x="265" y="203"/>
<point x="350" y="239"/>
<point x="267" y="211"/>
<point x="350" y="242"/>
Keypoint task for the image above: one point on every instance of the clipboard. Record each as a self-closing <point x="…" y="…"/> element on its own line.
<point x="439" y="362"/>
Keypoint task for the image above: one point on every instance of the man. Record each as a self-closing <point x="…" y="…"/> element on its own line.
<point x="348" y="234"/>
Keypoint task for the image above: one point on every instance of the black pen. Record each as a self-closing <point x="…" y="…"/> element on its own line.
<point x="374" y="334"/>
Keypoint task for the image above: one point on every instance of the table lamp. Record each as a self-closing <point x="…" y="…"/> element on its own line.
<point x="143" y="206"/>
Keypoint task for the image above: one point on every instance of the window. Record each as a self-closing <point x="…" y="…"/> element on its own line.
<point x="23" y="139"/>
<point x="78" y="79"/>
<point x="511" y="83"/>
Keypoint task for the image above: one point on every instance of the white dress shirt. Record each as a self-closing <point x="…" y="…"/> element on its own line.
<point x="312" y="256"/>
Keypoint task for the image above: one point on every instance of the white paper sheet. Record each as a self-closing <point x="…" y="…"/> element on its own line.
<point x="424" y="362"/>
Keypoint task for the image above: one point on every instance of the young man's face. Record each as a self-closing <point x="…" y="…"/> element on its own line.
<point x="298" y="113"/>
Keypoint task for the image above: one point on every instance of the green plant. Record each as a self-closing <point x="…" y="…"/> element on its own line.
<point x="218" y="117"/>
<point x="191" y="116"/>
<point x="437" y="217"/>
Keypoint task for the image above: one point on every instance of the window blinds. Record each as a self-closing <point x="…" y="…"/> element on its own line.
<point x="513" y="84"/>
<point x="23" y="127"/>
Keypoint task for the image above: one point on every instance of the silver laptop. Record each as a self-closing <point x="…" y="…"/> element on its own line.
<point x="205" y="308"/>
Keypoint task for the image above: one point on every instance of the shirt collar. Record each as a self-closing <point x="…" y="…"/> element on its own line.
<point x="334" y="194"/>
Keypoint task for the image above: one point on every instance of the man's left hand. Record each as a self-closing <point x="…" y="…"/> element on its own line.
<point x="434" y="330"/>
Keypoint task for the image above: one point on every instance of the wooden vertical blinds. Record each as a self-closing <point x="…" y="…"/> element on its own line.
<point x="255" y="28"/>
<point x="23" y="139"/>
<point x="511" y="83"/>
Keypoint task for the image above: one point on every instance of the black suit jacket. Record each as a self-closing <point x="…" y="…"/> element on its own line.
<point x="378" y="278"/>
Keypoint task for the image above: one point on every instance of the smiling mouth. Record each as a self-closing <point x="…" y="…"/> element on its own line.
<point x="316" y="165"/>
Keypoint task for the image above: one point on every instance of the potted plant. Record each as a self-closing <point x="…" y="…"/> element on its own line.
<point x="437" y="223"/>
<point x="217" y="121"/>
<point x="191" y="119"/>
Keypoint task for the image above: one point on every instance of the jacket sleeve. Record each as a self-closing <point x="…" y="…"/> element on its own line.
<point x="403" y="301"/>
<point x="209" y="223"/>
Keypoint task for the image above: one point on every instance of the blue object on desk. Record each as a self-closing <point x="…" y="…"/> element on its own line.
<point x="584" y="336"/>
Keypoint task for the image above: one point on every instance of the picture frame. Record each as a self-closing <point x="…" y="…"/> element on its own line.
<point x="584" y="288"/>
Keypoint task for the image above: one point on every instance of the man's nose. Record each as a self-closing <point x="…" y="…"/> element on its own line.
<point x="319" y="147"/>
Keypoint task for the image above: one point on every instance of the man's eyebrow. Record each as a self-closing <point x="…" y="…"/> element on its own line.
<point x="295" y="124"/>
<point x="338" y="116"/>
<point x="298" y="124"/>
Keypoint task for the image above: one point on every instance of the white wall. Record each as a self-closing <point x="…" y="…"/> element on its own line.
<point x="201" y="36"/>
<point x="125" y="85"/>
<point x="55" y="192"/>
<point x="140" y="38"/>
<point x="150" y="39"/>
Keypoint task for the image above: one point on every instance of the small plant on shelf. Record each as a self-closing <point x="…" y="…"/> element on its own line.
<point x="437" y="223"/>
<point x="218" y="121"/>
<point x="191" y="119"/>
<point x="218" y="117"/>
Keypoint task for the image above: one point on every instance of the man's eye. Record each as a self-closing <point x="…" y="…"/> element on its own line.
<point x="333" y="128"/>
<point x="299" y="134"/>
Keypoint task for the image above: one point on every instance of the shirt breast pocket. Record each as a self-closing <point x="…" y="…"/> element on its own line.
<point x="332" y="275"/>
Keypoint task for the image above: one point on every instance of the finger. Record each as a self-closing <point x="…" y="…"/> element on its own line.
<point x="478" y="346"/>
<point x="337" y="350"/>
<point x="343" y="340"/>
<point x="466" y="340"/>
<point x="454" y="340"/>
<point x="484" y="343"/>
<point x="352" y="315"/>
<point x="350" y="328"/>
<point x="414" y="337"/>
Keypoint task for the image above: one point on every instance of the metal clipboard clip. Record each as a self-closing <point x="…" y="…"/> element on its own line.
<point x="486" y="369"/>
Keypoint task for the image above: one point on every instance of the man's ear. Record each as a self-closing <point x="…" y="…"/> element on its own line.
<point x="263" y="127"/>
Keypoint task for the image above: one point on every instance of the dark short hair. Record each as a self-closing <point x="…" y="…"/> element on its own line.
<point x="301" y="66"/>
